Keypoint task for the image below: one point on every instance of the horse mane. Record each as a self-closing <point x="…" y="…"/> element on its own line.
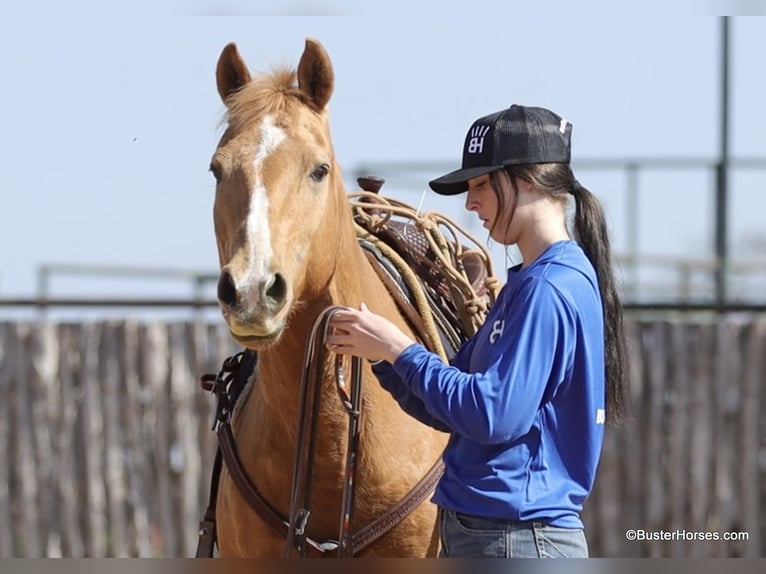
<point x="265" y="94"/>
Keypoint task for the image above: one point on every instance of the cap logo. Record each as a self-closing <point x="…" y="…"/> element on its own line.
<point x="476" y="143"/>
<point x="563" y="126"/>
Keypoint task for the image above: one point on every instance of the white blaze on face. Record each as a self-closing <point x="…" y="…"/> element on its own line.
<point x="258" y="218"/>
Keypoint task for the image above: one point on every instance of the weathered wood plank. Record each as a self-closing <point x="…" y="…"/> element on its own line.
<point x="27" y="476"/>
<point x="92" y="417"/>
<point x="7" y="368"/>
<point x="71" y="393"/>
<point x="654" y="467"/>
<point x="632" y="445"/>
<point x="726" y="374"/>
<point x="45" y="408"/>
<point x="137" y="469"/>
<point x="678" y="432"/>
<point x="608" y="503"/>
<point x="188" y="464"/>
<point x="155" y="369"/>
<point x="750" y="443"/>
<point x="700" y="455"/>
<point x="114" y="468"/>
<point x="201" y="344"/>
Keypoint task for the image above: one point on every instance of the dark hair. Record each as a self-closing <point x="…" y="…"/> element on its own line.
<point x="590" y="229"/>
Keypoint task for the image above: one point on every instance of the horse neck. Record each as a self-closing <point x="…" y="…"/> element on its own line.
<point x="351" y="282"/>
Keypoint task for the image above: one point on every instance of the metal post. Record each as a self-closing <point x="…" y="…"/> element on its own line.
<point x="721" y="197"/>
<point x="199" y="288"/>
<point x="43" y="290"/>
<point x="631" y="227"/>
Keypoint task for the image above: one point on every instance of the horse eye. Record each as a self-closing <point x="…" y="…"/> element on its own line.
<point x="320" y="172"/>
<point x="216" y="171"/>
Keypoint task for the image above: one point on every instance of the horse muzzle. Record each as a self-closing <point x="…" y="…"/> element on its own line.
<point x="255" y="310"/>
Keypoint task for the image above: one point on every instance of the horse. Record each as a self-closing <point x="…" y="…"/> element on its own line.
<point x="287" y="251"/>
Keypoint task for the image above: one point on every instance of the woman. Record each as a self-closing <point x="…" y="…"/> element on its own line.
<point x="526" y="398"/>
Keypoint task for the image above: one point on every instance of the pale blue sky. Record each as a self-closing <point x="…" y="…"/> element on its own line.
<point x="109" y="119"/>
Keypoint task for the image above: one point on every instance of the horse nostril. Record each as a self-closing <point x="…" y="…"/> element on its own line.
<point x="227" y="291"/>
<point x="277" y="289"/>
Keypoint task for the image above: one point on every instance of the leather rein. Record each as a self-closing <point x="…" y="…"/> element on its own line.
<point x="227" y="386"/>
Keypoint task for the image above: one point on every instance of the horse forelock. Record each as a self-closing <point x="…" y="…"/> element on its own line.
<point x="263" y="95"/>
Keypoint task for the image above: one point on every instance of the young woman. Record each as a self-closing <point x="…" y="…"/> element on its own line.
<point x="526" y="398"/>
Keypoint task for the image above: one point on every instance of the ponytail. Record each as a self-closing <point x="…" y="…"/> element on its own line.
<point x="591" y="233"/>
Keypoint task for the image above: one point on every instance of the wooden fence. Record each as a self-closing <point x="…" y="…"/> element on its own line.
<point x="106" y="435"/>
<point x="692" y="462"/>
<point x="106" y="448"/>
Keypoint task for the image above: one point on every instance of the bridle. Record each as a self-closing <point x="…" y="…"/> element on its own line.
<point x="227" y="386"/>
<point x="348" y="543"/>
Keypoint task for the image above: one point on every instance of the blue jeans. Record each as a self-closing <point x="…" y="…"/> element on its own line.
<point x="468" y="536"/>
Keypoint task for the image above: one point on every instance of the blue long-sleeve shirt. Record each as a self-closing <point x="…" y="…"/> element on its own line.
<point x="523" y="399"/>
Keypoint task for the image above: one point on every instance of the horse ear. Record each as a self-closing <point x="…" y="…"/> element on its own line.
<point x="315" y="76"/>
<point x="231" y="73"/>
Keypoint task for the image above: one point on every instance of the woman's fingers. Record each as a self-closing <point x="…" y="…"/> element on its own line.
<point x="339" y="330"/>
<point x="358" y="332"/>
<point x="343" y="317"/>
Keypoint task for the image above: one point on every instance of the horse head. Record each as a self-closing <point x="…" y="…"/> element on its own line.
<point x="279" y="192"/>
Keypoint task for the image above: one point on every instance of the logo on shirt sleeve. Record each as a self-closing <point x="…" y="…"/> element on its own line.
<point x="497" y="331"/>
<point x="600" y="416"/>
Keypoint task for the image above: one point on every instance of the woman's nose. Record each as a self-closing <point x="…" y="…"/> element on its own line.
<point x="470" y="201"/>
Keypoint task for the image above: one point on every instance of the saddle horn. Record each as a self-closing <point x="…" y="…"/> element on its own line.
<point x="371" y="183"/>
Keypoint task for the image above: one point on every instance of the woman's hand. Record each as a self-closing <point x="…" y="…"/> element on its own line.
<point x="365" y="334"/>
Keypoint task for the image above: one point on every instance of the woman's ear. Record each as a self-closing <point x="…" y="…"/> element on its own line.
<point x="526" y="190"/>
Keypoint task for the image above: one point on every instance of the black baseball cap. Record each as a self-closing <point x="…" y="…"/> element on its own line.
<point x="519" y="135"/>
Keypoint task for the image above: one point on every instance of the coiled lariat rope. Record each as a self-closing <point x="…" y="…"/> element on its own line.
<point x="444" y="256"/>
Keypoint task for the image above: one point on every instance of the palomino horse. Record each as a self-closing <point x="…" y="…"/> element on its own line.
<point x="288" y="251"/>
